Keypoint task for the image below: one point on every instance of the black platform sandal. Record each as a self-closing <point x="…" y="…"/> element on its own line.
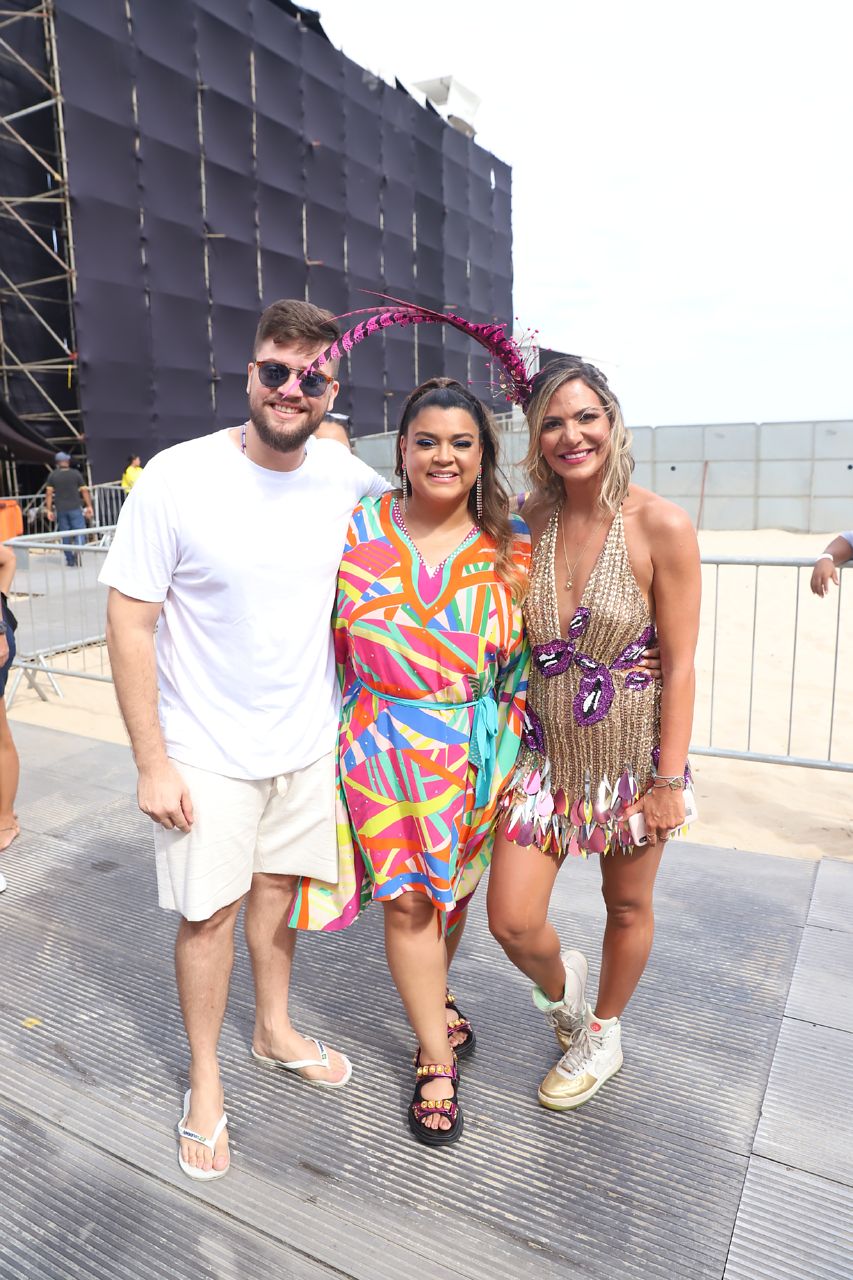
<point x="462" y="1024"/>
<point x="422" y="1107"/>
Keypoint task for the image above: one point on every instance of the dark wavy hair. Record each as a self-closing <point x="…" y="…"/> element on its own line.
<point x="446" y="393"/>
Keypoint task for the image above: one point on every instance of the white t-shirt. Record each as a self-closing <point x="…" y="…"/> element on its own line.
<point x="245" y="561"/>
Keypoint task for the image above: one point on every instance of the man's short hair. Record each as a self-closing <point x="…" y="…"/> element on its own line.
<point x="342" y="420"/>
<point x="291" y="321"/>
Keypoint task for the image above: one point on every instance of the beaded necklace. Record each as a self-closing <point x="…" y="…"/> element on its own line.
<point x="397" y="516"/>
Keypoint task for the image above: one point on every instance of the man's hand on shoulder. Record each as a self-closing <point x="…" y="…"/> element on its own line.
<point x="164" y="796"/>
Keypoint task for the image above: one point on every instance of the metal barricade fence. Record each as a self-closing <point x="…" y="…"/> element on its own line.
<point x="106" y="502"/>
<point x="774" y="678"/>
<point x="60" y="608"/>
<point x="106" y="505"/>
<point x="774" y="664"/>
<point x="33" y="512"/>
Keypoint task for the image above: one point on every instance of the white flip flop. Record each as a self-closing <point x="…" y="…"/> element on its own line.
<point x="296" y="1067"/>
<point x="200" y="1175"/>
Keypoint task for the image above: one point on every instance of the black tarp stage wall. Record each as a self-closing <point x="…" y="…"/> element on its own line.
<point x="221" y="155"/>
<point x="34" y="322"/>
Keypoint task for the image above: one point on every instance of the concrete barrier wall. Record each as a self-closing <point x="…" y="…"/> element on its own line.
<point x="745" y="475"/>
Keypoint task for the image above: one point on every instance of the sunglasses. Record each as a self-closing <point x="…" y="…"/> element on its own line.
<point x="272" y="374"/>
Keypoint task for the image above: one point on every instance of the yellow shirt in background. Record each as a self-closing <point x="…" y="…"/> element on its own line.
<point x="130" y="478"/>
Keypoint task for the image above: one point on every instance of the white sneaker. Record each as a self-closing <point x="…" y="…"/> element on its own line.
<point x="566" y="1015"/>
<point x="594" y="1055"/>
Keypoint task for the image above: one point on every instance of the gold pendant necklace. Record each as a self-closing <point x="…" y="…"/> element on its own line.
<point x="570" y="568"/>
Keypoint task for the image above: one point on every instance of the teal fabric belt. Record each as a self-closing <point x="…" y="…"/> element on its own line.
<point x="484" y="732"/>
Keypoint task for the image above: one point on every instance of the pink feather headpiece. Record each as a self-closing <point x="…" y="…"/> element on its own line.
<point x="517" y="380"/>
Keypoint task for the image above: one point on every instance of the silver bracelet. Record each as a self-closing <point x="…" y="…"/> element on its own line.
<point x="671" y="782"/>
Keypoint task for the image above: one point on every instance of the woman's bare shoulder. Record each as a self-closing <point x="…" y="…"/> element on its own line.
<point x="656" y="516"/>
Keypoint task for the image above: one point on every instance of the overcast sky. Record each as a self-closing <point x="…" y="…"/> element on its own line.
<point x="682" y="184"/>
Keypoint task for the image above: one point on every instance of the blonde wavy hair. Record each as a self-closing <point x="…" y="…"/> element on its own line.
<point x="545" y="484"/>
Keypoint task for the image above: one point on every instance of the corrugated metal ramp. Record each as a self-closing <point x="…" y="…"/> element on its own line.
<point x="646" y="1181"/>
<point x="796" y="1218"/>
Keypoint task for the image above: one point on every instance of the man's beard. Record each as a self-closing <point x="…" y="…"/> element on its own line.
<point x="280" y="441"/>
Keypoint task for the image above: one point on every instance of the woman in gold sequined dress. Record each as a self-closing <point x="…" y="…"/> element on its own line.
<point x="614" y="568"/>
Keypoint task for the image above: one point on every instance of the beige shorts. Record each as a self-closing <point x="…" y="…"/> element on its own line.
<point x="281" y="826"/>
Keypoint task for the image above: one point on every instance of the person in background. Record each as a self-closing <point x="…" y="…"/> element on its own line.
<point x="336" y="426"/>
<point x="825" y="570"/>
<point x="132" y="472"/>
<point x="9" y="766"/>
<point x="65" y="487"/>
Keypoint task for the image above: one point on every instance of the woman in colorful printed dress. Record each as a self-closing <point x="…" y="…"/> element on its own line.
<point x="613" y="566"/>
<point x="429" y="642"/>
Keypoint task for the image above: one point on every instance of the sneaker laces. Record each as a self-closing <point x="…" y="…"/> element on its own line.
<point x="561" y="1019"/>
<point x="584" y="1044"/>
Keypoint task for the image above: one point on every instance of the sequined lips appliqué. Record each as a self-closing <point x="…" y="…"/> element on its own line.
<point x="594" y="697"/>
<point x="596" y="691"/>
<point x="532" y="733"/>
<point x="554" y="657"/>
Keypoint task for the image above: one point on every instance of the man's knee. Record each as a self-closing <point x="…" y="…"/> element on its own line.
<point x="266" y="882"/>
<point x="221" y="921"/>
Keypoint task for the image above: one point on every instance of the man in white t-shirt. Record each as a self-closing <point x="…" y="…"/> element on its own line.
<point x="228" y="548"/>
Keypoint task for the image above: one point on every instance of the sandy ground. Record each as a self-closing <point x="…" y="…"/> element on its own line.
<point x="780" y="809"/>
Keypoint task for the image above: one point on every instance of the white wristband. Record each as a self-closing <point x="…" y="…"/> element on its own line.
<point x="826" y="555"/>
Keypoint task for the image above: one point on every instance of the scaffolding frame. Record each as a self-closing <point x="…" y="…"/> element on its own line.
<point x="35" y="215"/>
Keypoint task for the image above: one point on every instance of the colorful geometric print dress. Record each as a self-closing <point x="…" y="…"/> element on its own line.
<point x="434" y="669"/>
<point x="592" y="722"/>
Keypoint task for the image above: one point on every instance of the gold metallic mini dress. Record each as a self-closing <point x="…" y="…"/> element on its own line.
<point x="590" y="740"/>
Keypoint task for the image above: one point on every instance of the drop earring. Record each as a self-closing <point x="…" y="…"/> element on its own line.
<point x="405" y="482"/>
<point x="479" y="495"/>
